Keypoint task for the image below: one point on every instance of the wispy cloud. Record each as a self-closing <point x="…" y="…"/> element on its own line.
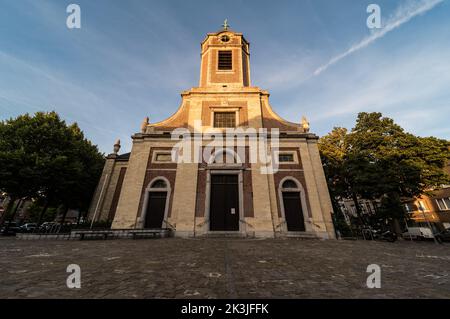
<point x="410" y="87"/>
<point x="402" y="16"/>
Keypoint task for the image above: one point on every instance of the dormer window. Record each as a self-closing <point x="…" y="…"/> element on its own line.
<point x="225" y="60"/>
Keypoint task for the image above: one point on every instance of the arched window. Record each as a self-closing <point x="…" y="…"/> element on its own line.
<point x="159" y="184"/>
<point x="289" y="184"/>
<point x="225" y="156"/>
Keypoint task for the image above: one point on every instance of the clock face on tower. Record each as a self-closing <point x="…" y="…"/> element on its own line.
<point x="225" y="38"/>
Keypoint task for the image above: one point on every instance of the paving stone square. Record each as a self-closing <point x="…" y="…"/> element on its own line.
<point x="223" y="268"/>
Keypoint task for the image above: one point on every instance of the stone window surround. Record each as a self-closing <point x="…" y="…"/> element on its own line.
<point x="218" y="109"/>
<point x="158" y="152"/>
<point x="293" y="152"/>
<point x="141" y="220"/>
<point x="308" y="220"/>
<point x="233" y="67"/>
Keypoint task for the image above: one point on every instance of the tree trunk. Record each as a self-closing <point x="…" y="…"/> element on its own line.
<point x="14" y="213"/>
<point x="396" y="226"/>
<point x="358" y="208"/>
<point x="19" y="202"/>
<point x="44" y="210"/>
<point x="66" y="210"/>
<point x="8" y="210"/>
<point x="79" y="217"/>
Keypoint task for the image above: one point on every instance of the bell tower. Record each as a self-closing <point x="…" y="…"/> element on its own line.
<point x="225" y="60"/>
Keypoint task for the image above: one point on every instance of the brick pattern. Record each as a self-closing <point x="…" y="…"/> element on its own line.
<point x="209" y="104"/>
<point x="298" y="176"/>
<point x="291" y="165"/>
<point x="219" y="76"/>
<point x="158" y="169"/>
<point x="201" y="193"/>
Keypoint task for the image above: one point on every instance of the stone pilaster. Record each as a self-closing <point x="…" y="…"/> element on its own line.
<point x="184" y="197"/>
<point x="322" y="187"/>
<point x="317" y="222"/>
<point x="97" y="202"/>
<point x="128" y="206"/>
<point x="262" y="222"/>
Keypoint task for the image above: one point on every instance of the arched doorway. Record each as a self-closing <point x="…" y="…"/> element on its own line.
<point x="291" y="204"/>
<point x="156" y="203"/>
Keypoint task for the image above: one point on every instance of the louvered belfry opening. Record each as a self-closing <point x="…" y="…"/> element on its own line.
<point x="225" y="60"/>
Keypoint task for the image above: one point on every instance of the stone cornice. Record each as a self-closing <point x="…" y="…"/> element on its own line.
<point x="228" y="90"/>
<point x="282" y="135"/>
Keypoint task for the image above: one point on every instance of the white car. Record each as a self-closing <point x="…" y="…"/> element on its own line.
<point x="418" y="233"/>
<point x="29" y="227"/>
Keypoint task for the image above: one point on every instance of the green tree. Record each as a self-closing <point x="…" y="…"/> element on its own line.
<point x="18" y="176"/>
<point x="343" y="169"/>
<point x="379" y="160"/>
<point x="43" y="157"/>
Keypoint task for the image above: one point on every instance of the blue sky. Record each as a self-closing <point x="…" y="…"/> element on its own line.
<point x="131" y="59"/>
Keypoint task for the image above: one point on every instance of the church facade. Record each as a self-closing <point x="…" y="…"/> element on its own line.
<point x="224" y="163"/>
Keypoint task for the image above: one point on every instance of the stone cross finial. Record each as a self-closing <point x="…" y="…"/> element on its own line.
<point x="144" y="124"/>
<point x="117" y="147"/>
<point x="305" y="124"/>
<point x="225" y="24"/>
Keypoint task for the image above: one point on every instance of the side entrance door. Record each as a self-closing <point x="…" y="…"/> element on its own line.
<point x="293" y="211"/>
<point x="155" y="209"/>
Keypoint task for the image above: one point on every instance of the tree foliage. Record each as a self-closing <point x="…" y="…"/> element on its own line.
<point x="43" y="157"/>
<point x="377" y="159"/>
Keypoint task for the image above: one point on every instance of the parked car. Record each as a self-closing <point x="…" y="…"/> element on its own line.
<point x="419" y="233"/>
<point x="443" y="235"/>
<point x="9" y="229"/>
<point x="28" y="227"/>
<point x="48" y="226"/>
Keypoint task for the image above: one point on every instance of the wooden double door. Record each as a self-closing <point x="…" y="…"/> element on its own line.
<point x="224" y="203"/>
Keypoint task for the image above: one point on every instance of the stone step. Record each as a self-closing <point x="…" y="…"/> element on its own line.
<point x="220" y="234"/>
<point x="299" y="235"/>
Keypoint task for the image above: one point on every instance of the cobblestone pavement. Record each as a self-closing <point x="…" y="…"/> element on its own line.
<point x="223" y="268"/>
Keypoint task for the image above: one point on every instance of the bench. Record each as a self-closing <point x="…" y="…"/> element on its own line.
<point x="146" y="233"/>
<point x="93" y="234"/>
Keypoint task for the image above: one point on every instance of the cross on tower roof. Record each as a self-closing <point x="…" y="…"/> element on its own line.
<point x="225" y="24"/>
